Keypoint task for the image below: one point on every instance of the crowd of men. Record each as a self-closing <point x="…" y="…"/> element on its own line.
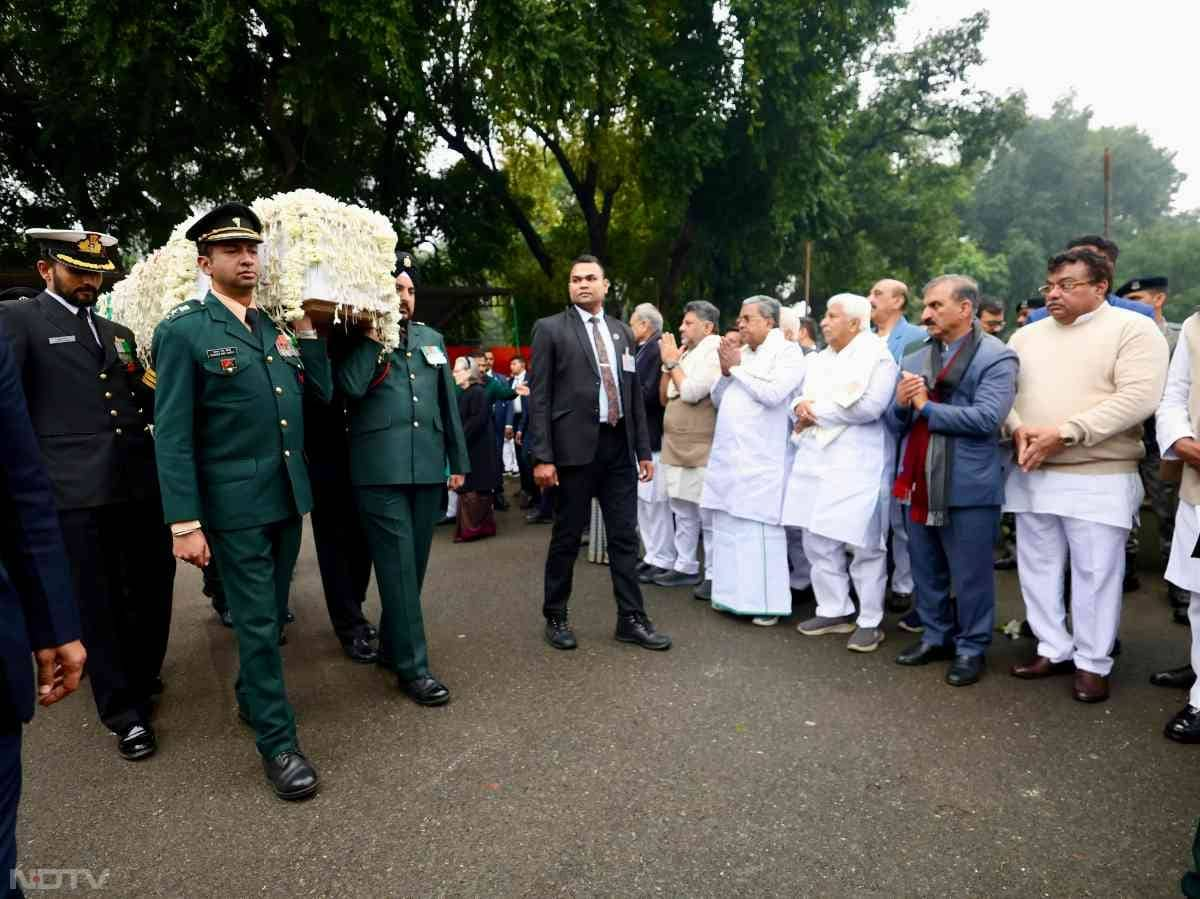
<point x="754" y="466"/>
<point x="872" y="474"/>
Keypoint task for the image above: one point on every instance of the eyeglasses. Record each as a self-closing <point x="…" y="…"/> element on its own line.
<point x="1066" y="285"/>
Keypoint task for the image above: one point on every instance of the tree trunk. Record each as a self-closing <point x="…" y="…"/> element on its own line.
<point x="678" y="260"/>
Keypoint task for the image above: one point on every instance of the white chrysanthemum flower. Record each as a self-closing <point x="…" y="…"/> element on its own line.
<point x="314" y="248"/>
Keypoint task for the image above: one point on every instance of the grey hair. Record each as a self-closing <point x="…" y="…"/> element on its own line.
<point x="705" y="311"/>
<point x="789" y="319"/>
<point x="962" y="287"/>
<point x="474" y="372"/>
<point x="768" y="307"/>
<point x="855" y="306"/>
<point x="649" y="314"/>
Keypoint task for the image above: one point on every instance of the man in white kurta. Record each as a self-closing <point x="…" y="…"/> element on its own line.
<point x="744" y="483"/>
<point x="689" y="371"/>
<point x="835" y="488"/>
<point x="1178" y="426"/>
<point x="1090" y="375"/>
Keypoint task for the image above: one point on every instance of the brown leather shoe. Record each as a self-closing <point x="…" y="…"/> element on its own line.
<point x="1090" y="687"/>
<point x="1041" y="666"/>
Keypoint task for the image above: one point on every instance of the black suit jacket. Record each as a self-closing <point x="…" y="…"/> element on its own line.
<point x="37" y="601"/>
<point x="91" y="418"/>
<point x="649" y="370"/>
<point x="564" y="398"/>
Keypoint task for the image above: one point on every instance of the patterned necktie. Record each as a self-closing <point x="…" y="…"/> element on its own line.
<point x="252" y="320"/>
<point x="94" y="344"/>
<point x="610" y="383"/>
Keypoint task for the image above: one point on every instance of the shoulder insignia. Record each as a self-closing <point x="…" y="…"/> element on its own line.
<point x="184" y="309"/>
<point x="149" y="378"/>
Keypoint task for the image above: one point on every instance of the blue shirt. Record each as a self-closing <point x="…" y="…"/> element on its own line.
<point x="1113" y="300"/>
<point x="902" y="336"/>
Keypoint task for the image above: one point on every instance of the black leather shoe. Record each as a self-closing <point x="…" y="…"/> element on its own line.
<point x="500" y="503"/>
<point x="1005" y="563"/>
<point x="291" y="775"/>
<point x="1180" y="616"/>
<point x="1132" y="582"/>
<point x="360" y="650"/>
<point x="559" y="634"/>
<point x="538" y="518"/>
<point x="678" y="579"/>
<point x="703" y="592"/>
<point x="137" y="742"/>
<point x="225" y="618"/>
<point x="157" y="686"/>
<point x="447" y="519"/>
<point x="243" y="717"/>
<point x="426" y="690"/>
<point x="898" y="602"/>
<point x="965" y="670"/>
<point x="282" y="637"/>
<point x="637" y="628"/>
<point x="290" y="616"/>
<point x="1185" y="726"/>
<point x="1180" y="678"/>
<point x="652" y="574"/>
<point x="1177" y="597"/>
<point x="921" y="653"/>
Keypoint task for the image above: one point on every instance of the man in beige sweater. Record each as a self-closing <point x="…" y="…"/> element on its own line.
<point x="1090" y="375"/>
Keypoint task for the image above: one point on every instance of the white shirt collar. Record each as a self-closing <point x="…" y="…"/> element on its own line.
<point x="587" y="316"/>
<point x="70" y="307"/>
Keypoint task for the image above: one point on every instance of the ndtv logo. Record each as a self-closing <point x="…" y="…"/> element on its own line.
<point x="57" y="879"/>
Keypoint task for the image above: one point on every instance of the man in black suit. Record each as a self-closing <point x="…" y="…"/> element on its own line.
<point x="92" y="405"/>
<point x="37" y="604"/>
<point x="589" y="432"/>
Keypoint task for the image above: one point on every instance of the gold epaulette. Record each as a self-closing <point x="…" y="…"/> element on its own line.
<point x="149" y="378"/>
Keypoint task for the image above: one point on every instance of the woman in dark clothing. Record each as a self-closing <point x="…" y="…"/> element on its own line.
<point x="475" y="517"/>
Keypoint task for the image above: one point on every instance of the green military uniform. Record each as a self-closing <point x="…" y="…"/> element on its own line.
<point x="404" y="425"/>
<point x="229" y="440"/>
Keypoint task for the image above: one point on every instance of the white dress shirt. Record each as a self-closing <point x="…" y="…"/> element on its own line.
<point x="74" y="310"/>
<point x="613" y="361"/>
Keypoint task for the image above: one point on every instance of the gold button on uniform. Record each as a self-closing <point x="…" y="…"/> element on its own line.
<point x="412" y="377"/>
<point x="416" y="424"/>
<point x="118" y="431"/>
<point x="415" y="400"/>
<point x="270" y="358"/>
<point x="112" y="412"/>
<point x="279" y="391"/>
<point x="287" y="454"/>
<point x="103" y="376"/>
<point x="283" y="422"/>
<point x="108" y="394"/>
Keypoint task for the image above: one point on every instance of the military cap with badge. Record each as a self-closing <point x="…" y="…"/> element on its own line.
<point x="1156" y="283"/>
<point x="227" y="223"/>
<point x="85" y="251"/>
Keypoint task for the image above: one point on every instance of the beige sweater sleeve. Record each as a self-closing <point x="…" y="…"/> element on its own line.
<point x="1140" y="372"/>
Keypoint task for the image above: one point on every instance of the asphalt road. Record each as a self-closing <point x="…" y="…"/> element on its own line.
<point x="744" y="762"/>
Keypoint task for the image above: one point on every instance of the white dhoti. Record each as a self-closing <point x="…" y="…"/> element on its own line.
<point x="801" y="570"/>
<point x="831" y="578"/>
<point x="1184" y="572"/>
<point x="750" y="570"/>
<point x="902" y="578"/>
<point x="690" y="523"/>
<point x="1085" y="517"/>
<point x="655" y="523"/>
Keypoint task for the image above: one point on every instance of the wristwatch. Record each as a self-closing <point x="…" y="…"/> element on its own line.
<point x="669" y="366"/>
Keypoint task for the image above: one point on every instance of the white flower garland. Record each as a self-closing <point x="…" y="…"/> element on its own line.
<point x="314" y="247"/>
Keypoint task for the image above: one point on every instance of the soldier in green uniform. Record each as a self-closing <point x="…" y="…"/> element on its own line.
<point x="404" y="426"/>
<point x="230" y="447"/>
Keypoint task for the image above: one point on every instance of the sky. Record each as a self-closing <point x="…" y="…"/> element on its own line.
<point x="1134" y="63"/>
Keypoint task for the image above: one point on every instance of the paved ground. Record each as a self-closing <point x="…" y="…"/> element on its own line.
<point x="744" y="762"/>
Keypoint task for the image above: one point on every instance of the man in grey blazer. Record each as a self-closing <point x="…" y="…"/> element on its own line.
<point x="590" y="438"/>
<point x="955" y="390"/>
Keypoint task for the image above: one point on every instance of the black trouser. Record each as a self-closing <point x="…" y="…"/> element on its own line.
<point x="343" y="554"/>
<point x="10" y="796"/>
<point x="124" y="573"/>
<point x="214" y="588"/>
<point x="528" y="485"/>
<point x="611" y="477"/>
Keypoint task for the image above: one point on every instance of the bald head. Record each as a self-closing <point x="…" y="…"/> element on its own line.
<point x="888" y="298"/>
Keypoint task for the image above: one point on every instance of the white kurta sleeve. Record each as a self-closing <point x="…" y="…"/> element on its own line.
<point x="1172" y="421"/>
<point x="699" y="382"/>
<point x="718" y="389"/>
<point x="787" y="374"/>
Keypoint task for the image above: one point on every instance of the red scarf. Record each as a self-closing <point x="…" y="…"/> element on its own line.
<point x="912" y="483"/>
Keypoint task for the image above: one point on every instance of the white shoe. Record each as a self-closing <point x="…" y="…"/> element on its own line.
<point x="766" y="621"/>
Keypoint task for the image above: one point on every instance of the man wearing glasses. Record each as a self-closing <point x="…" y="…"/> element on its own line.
<point x="1090" y="375"/>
